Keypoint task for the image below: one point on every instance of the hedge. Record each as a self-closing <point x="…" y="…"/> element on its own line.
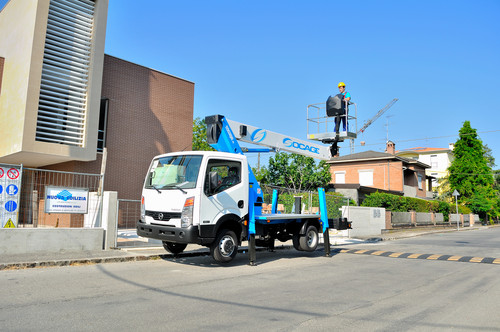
<point x="397" y="203"/>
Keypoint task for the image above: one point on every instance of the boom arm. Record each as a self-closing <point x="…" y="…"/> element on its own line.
<point x="278" y="142"/>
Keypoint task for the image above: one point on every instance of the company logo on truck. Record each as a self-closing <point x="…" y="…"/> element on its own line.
<point x="289" y="143"/>
<point x="258" y="135"/>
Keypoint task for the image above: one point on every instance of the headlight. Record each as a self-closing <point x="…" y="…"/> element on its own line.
<point x="143" y="210"/>
<point x="187" y="213"/>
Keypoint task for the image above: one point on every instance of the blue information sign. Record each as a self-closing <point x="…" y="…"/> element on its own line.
<point x="11" y="206"/>
<point x="11" y="189"/>
<point x="1" y="188"/>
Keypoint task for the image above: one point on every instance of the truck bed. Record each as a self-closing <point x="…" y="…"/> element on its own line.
<point x="286" y="216"/>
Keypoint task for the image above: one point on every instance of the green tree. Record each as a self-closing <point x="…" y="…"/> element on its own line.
<point x="260" y="174"/>
<point x="470" y="174"/>
<point x="297" y="172"/>
<point x="200" y="136"/>
<point x="443" y="189"/>
<point x="496" y="183"/>
<point x="489" y="156"/>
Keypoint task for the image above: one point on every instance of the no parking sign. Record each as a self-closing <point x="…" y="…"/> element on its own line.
<point x="10" y="191"/>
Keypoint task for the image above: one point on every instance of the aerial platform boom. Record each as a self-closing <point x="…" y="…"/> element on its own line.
<point x="263" y="137"/>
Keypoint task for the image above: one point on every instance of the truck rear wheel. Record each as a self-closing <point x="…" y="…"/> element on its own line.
<point x="309" y="241"/>
<point x="225" y="246"/>
<point x="174" y="248"/>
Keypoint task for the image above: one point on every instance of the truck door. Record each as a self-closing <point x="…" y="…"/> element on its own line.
<point x="230" y="196"/>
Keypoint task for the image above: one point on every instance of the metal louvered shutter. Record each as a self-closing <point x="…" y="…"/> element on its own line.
<point x="64" y="85"/>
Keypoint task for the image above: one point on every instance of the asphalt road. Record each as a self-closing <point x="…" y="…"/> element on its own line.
<point x="287" y="291"/>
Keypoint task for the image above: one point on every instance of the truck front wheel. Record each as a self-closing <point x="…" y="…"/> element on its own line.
<point x="174" y="248"/>
<point x="309" y="241"/>
<point x="225" y="246"/>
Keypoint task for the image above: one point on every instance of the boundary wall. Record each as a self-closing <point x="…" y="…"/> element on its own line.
<point x="366" y="221"/>
<point x="46" y="240"/>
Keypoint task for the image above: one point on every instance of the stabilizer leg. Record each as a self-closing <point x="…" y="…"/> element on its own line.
<point x="251" y="250"/>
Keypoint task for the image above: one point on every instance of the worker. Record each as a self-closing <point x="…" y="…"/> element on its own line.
<point x="345" y="105"/>
<point x="337" y="106"/>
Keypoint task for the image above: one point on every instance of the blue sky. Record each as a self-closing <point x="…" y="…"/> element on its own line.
<point x="263" y="62"/>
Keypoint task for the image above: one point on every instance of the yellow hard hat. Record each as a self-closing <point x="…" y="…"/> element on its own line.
<point x="341" y="84"/>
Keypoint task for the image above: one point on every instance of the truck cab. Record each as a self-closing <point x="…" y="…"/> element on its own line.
<point x="190" y="197"/>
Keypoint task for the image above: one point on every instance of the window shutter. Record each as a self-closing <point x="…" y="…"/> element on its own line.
<point x="63" y="91"/>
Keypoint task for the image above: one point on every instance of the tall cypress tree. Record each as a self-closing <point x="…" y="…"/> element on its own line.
<point x="470" y="174"/>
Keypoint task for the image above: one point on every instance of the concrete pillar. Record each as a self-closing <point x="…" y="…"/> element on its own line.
<point x="109" y="219"/>
<point x="388" y="219"/>
<point x="413" y="216"/>
<point x="433" y="218"/>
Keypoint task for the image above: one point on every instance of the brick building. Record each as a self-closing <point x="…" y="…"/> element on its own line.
<point x="146" y="113"/>
<point x="359" y="174"/>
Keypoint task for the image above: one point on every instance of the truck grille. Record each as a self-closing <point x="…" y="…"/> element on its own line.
<point x="163" y="216"/>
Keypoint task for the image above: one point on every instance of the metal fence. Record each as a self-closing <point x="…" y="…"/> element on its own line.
<point x="32" y="203"/>
<point x="128" y="212"/>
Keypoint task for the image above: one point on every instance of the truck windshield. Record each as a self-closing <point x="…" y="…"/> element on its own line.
<point x="174" y="172"/>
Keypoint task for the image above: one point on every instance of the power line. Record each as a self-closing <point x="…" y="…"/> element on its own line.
<point x="475" y="174"/>
<point x="435" y="137"/>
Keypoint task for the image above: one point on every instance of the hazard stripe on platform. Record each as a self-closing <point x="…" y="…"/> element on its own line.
<point x="467" y="259"/>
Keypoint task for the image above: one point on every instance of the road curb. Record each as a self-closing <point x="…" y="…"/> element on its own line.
<point x="101" y="260"/>
<point x="130" y="257"/>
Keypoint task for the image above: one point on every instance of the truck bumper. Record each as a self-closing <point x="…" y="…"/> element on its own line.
<point x="171" y="234"/>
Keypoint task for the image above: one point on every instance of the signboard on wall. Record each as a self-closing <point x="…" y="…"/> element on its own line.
<point x="66" y="200"/>
<point x="10" y="191"/>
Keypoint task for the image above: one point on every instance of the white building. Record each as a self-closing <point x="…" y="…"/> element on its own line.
<point x="438" y="158"/>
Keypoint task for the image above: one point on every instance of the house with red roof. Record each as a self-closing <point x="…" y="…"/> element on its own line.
<point x="359" y="174"/>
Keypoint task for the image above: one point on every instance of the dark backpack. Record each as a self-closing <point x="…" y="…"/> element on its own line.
<point x="334" y="105"/>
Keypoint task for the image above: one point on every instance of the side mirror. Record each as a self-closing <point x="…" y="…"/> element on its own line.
<point x="213" y="181"/>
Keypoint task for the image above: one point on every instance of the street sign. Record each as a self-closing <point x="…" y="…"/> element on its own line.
<point x="9" y="224"/>
<point x="10" y="206"/>
<point x="11" y="189"/>
<point x="13" y="173"/>
<point x="10" y="193"/>
<point x="456" y="194"/>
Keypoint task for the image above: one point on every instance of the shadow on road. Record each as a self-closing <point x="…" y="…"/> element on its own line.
<point x="242" y="258"/>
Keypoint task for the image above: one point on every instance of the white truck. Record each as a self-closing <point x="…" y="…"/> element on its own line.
<point x="213" y="199"/>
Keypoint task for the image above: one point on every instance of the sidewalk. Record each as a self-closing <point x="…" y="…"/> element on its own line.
<point x="21" y="261"/>
<point x="394" y="234"/>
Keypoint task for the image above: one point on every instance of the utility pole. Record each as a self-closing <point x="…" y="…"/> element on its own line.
<point x="456" y="194"/>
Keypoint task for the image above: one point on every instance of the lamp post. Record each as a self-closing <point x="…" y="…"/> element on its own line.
<point x="456" y="194"/>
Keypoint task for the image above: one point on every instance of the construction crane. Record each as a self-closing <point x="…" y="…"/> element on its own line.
<point x="369" y="122"/>
<point x="382" y="111"/>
